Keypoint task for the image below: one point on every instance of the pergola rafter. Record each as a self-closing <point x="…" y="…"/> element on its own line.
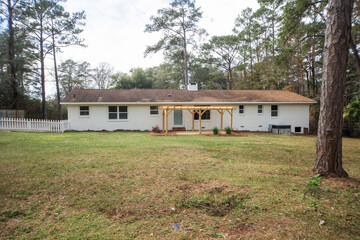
<point x="166" y="110"/>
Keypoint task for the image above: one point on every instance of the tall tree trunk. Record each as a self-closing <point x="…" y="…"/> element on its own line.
<point x="328" y="158"/>
<point x="313" y="73"/>
<point x="230" y="78"/>
<point x="56" y="78"/>
<point x="11" y="57"/>
<point x="186" y="61"/>
<point x="42" y="74"/>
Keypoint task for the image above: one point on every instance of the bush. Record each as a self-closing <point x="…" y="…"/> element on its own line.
<point x="156" y="129"/>
<point x="215" y="130"/>
<point x="228" y="130"/>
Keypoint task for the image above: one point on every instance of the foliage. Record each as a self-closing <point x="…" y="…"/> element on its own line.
<point x="178" y="23"/>
<point x="314" y="180"/>
<point x="74" y="75"/>
<point x="352" y="118"/>
<point x="217" y="203"/>
<point x="228" y="130"/>
<point x="17" y="57"/>
<point x="223" y="51"/>
<point x="313" y="188"/>
<point x="139" y="78"/>
<point x="352" y="110"/>
<point x="156" y="129"/>
<point x="215" y="130"/>
<point x="101" y="76"/>
<point x="64" y="32"/>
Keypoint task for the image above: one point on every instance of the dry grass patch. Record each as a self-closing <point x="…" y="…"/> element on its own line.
<point x="130" y="185"/>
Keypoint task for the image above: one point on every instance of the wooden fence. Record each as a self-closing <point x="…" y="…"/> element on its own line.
<point x="33" y="125"/>
<point x="12" y="113"/>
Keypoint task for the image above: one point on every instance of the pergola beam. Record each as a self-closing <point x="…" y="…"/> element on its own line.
<point x="166" y="110"/>
<point x="197" y="108"/>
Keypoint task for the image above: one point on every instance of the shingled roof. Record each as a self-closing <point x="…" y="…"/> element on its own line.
<point x="181" y="96"/>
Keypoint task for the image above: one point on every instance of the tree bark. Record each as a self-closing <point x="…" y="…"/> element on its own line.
<point x="42" y="74"/>
<point x="56" y="78"/>
<point x="230" y="77"/>
<point x="328" y="158"/>
<point x="186" y="61"/>
<point x="11" y="56"/>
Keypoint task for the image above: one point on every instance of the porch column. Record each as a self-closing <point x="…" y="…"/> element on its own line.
<point x="222" y="115"/>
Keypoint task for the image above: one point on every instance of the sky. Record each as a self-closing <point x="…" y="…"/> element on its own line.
<point x="114" y="30"/>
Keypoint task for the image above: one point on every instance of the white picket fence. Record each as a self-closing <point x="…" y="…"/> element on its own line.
<point x="33" y="125"/>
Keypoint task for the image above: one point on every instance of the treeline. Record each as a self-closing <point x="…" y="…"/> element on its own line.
<point x="278" y="46"/>
<point x="32" y="31"/>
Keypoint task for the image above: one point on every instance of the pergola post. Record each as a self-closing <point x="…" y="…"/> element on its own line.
<point x="167" y="115"/>
<point x="166" y="110"/>
<point x="222" y="115"/>
<point x="201" y="112"/>
<point x="231" y="116"/>
<point x="163" y="120"/>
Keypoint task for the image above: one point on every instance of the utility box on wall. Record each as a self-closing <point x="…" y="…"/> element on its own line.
<point x="280" y="129"/>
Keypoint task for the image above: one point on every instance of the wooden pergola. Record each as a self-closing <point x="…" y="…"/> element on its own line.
<point x="166" y="110"/>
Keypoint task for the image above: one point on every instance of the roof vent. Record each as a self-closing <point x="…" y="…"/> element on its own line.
<point x="169" y="95"/>
<point x="74" y="96"/>
<point x="192" y="87"/>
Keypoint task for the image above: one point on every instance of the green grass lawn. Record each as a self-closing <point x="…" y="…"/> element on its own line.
<point x="129" y="185"/>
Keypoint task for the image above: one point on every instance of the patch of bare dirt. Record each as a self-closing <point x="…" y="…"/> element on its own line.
<point x="233" y="134"/>
<point x="344" y="183"/>
<point x="163" y="134"/>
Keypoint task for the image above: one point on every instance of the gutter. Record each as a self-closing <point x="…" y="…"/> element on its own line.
<point x="181" y="103"/>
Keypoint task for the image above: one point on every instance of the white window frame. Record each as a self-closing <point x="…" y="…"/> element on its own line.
<point x="113" y="112"/>
<point x="243" y="109"/>
<point x="277" y="111"/>
<point x="84" y="111"/>
<point x="154" y="112"/>
<point x="118" y="113"/>
<point x="261" y="108"/>
<point x="127" y="115"/>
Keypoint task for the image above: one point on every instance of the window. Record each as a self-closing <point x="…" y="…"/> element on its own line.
<point x="123" y="112"/>
<point x="154" y="110"/>
<point x="112" y="112"/>
<point x="241" y="109"/>
<point x="260" y="109"/>
<point x="84" y="111"/>
<point x="274" y="110"/>
<point x="205" y="116"/>
<point x="298" y="129"/>
<point x="118" y="112"/>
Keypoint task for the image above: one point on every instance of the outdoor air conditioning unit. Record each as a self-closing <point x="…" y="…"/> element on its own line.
<point x="193" y="87"/>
